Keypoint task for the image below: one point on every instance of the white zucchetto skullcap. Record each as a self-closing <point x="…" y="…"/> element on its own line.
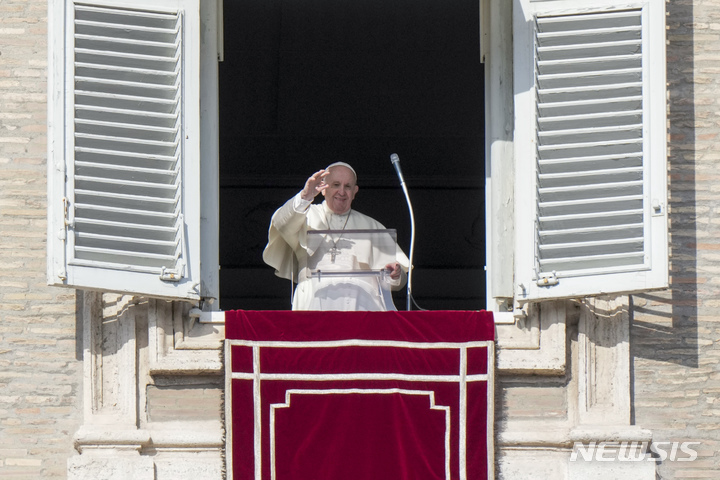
<point x="342" y="164"/>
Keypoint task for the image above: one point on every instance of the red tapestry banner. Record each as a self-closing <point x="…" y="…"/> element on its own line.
<point x="359" y="395"/>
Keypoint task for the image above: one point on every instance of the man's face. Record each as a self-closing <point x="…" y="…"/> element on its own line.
<point x="341" y="189"/>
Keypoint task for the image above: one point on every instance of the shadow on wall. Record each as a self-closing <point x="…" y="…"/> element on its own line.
<point x="665" y="324"/>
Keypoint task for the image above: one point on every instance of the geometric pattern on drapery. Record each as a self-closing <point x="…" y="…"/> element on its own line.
<point x="359" y="395"/>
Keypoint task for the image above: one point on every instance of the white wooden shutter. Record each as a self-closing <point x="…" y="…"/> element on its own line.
<point x="124" y="147"/>
<point x="590" y="150"/>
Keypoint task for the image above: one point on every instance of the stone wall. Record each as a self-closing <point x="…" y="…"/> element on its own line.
<point x="153" y="381"/>
<point x="675" y="334"/>
<point x="40" y="357"/>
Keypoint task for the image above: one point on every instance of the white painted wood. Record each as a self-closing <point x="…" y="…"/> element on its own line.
<point x="496" y="29"/>
<point x="590" y="148"/>
<point x="209" y="200"/>
<point x="129" y="146"/>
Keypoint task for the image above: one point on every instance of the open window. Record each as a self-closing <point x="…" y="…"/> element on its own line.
<point x="133" y="171"/>
<point x="306" y="83"/>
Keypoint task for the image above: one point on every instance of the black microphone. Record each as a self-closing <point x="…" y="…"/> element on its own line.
<point x="396" y="163"/>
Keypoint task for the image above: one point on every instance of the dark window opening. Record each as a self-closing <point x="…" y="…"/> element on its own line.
<point x="306" y="83"/>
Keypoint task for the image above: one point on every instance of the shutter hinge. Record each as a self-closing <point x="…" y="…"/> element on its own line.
<point x="62" y="236"/>
<point x="547" y="280"/>
<point x="66" y="216"/>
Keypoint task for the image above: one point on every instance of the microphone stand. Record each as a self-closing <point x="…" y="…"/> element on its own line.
<point x="396" y="163"/>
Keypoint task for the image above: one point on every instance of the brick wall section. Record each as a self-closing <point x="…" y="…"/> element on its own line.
<point x="189" y="402"/>
<point x="675" y="334"/>
<point x="40" y="374"/>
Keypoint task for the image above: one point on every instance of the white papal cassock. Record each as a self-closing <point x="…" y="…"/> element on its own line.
<point x="288" y="252"/>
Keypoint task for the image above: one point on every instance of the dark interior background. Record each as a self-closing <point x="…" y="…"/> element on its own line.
<point x="305" y="83"/>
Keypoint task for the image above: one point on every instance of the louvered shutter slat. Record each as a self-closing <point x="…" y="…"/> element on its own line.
<point x="600" y="206"/>
<point x="149" y="247"/>
<point x="124" y="200"/>
<point x="137" y="145"/>
<point x="592" y="262"/>
<point x="606" y="218"/>
<point x="579" y="233"/>
<point x="134" y="232"/>
<point x="119" y="132"/>
<point x="136" y="260"/>
<point x="581" y="164"/>
<point x="557" y="251"/>
<point x="126" y="215"/>
<point x="152" y="119"/>
<point x="155" y="190"/>
<point x="589" y="120"/>
<point x="146" y="244"/>
<point x="126" y="172"/>
<point x="132" y="103"/>
<point x="589" y="177"/>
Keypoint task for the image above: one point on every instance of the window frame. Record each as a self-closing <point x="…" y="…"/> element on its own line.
<point x="506" y="177"/>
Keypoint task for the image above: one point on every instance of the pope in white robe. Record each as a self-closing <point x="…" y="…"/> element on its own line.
<point x="295" y="254"/>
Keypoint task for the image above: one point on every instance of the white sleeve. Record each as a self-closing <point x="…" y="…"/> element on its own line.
<point x="300" y="205"/>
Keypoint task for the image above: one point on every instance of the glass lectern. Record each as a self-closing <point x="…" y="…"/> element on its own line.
<point x="348" y="269"/>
